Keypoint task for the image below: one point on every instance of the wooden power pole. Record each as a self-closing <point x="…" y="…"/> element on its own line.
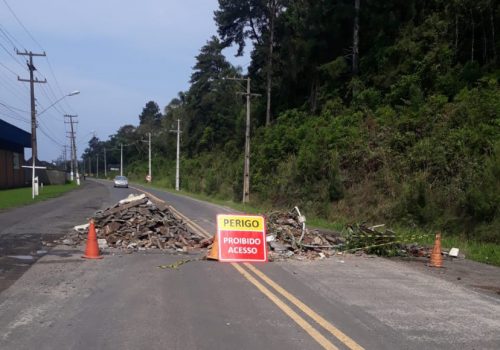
<point x="246" y="170"/>
<point x="32" y="80"/>
<point x="178" y="153"/>
<point x="72" y="138"/>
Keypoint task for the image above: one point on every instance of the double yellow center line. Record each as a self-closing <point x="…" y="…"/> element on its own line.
<point x="252" y="274"/>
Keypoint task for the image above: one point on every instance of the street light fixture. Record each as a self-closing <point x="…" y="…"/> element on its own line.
<point x="76" y="92"/>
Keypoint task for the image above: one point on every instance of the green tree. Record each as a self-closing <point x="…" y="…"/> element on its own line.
<point x="151" y="115"/>
<point x="212" y="105"/>
<point x="255" y="20"/>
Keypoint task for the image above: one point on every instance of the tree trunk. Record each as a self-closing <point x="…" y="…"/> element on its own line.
<point x="313" y="98"/>
<point x="272" y="16"/>
<point x="456" y="34"/>
<point x="485" y="41"/>
<point x="492" y="23"/>
<point x="473" y="37"/>
<point x="355" y="39"/>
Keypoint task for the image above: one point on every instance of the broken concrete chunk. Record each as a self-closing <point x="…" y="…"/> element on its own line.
<point x="103" y="244"/>
<point x="81" y="228"/>
<point x="111" y="227"/>
<point x="270" y="238"/>
<point x="132" y="198"/>
<point x="454" y="252"/>
<point x="279" y="247"/>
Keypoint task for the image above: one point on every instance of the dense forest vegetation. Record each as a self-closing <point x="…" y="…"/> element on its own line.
<point x="369" y="110"/>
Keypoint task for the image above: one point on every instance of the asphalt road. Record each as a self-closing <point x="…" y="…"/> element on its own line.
<point x="23" y="229"/>
<point x="127" y="302"/>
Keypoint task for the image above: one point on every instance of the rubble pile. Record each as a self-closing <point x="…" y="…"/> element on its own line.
<point x="288" y="237"/>
<point x="136" y="223"/>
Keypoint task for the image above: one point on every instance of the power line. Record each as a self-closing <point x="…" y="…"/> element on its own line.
<point x="11" y="55"/>
<point x="48" y="129"/>
<point x="51" y="138"/>
<point x="17" y="93"/>
<point x="7" y="80"/>
<point x="14" y="113"/>
<point x="57" y="85"/>
<point x="52" y="91"/>
<point x="15" y="118"/>
<point x="10" y="37"/>
<point x="49" y="133"/>
<point x="41" y="47"/>
<point x="51" y="101"/>
<point x="21" y="24"/>
<point x="12" y="107"/>
<point x="7" y="35"/>
<point x="10" y="70"/>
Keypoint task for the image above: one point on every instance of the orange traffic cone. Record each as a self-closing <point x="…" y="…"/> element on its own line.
<point x="213" y="254"/>
<point x="92" y="248"/>
<point x="436" y="258"/>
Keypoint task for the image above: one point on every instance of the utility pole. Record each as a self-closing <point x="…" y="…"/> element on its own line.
<point x="97" y="164"/>
<point x="90" y="165"/>
<point x="65" y="153"/>
<point x="65" y="157"/>
<point x="177" y="165"/>
<point x="246" y="170"/>
<point x="148" y="177"/>
<point x="105" y="164"/>
<point x="121" y="159"/>
<point x="72" y="136"/>
<point x="32" y="81"/>
<point x="71" y="162"/>
<point x="149" y="173"/>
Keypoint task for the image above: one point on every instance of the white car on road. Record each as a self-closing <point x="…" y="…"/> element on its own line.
<point x="120" y="181"/>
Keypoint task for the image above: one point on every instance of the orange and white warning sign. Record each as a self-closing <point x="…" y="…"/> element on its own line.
<point x="241" y="238"/>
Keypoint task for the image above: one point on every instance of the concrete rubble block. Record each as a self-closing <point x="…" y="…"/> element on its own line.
<point x="103" y="244"/>
<point x="81" y="228"/>
<point x="132" y="198"/>
<point x="138" y="223"/>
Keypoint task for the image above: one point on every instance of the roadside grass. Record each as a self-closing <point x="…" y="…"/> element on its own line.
<point x="22" y="196"/>
<point x="488" y="253"/>
<point x="249" y="209"/>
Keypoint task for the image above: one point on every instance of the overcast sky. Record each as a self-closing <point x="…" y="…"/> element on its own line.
<point x="119" y="54"/>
